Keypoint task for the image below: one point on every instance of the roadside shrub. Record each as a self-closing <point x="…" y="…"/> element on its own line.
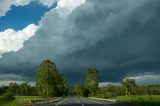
<point x="7" y="97"/>
<point x="106" y="95"/>
<point x="109" y="95"/>
<point x="140" y="101"/>
<point x="86" y="93"/>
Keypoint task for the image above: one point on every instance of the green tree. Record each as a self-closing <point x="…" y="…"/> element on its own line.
<point x="25" y="88"/>
<point x="49" y="82"/>
<point x="77" y="90"/>
<point x="91" y="82"/>
<point x="108" y="91"/>
<point x="130" y="86"/>
<point x="13" y="88"/>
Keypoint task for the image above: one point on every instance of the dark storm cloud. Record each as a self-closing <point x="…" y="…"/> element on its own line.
<point x="118" y="37"/>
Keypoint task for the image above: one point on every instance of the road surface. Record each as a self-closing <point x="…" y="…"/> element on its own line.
<point x="77" y="101"/>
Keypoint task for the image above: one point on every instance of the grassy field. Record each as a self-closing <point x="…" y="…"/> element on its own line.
<point x="144" y="100"/>
<point x="21" y="100"/>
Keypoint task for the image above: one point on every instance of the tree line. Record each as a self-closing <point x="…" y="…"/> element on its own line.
<point x="50" y="83"/>
<point x="128" y="87"/>
<point x="23" y="89"/>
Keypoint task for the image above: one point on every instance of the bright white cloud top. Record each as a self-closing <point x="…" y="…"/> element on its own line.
<point x="65" y="7"/>
<point x="48" y="3"/>
<point x="11" y="40"/>
<point x="5" y="5"/>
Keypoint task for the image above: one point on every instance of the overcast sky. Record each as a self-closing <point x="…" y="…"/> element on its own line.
<point x="118" y="37"/>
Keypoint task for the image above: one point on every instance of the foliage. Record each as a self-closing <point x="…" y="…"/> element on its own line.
<point x="7" y="97"/>
<point x="24" y="88"/>
<point x="130" y="86"/>
<point x="91" y="82"/>
<point x="78" y="90"/>
<point x="143" y="100"/>
<point x="14" y="88"/>
<point x="3" y="89"/>
<point x="85" y="92"/>
<point x="106" y="95"/>
<point x="21" y="89"/>
<point x="49" y="82"/>
<point x="107" y="92"/>
<point x="22" y="100"/>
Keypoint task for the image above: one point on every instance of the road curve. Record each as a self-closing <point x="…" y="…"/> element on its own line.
<point x="77" y="101"/>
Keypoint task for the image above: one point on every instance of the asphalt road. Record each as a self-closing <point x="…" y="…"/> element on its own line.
<point x="77" y="101"/>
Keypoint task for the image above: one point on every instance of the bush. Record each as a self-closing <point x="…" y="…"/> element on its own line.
<point x="109" y="95"/>
<point x="140" y="101"/>
<point x="106" y="95"/>
<point x="85" y="92"/>
<point x="8" y="97"/>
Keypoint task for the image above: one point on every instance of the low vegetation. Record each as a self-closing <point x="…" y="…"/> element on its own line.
<point x="142" y="100"/>
<point x="21" y="100"/>
<point x="7" y="97"/>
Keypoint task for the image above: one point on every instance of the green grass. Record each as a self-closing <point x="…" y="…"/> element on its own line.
<point x="141" y="96"/>
<point x="22" y="100"/>
<point x="143" y="100"/>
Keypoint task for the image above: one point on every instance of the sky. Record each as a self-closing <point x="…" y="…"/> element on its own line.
<point x="118" y="38"/>
<point x="21" y="16"/>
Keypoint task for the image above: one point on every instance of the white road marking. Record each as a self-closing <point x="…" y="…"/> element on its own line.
<point x="61" y="102"/>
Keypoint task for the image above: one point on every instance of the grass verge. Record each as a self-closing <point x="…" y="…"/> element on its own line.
<point x="21" y="100"/>
<point x="144" y="100"/>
